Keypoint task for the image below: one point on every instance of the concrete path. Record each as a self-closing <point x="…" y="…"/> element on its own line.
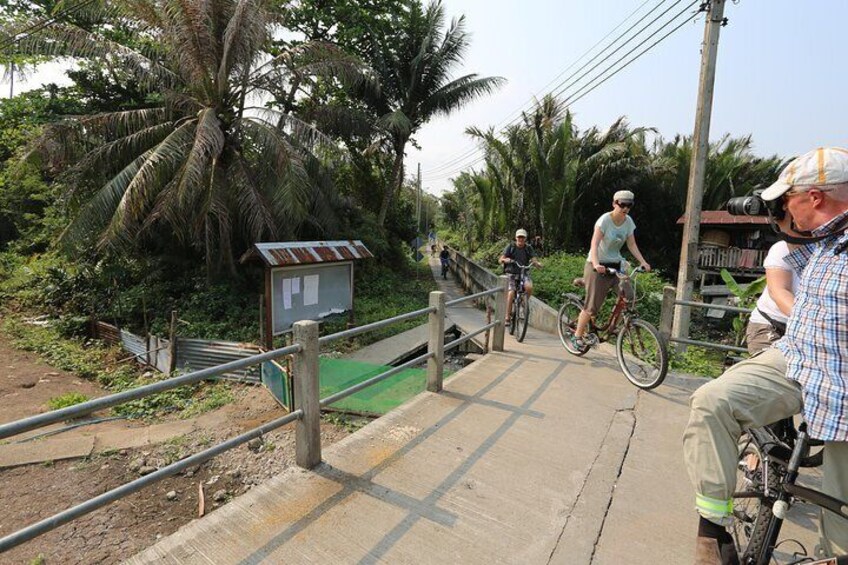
<point x="527" y="456"/>
<point x="519" y="460"/>
<point x="391" y="350"/>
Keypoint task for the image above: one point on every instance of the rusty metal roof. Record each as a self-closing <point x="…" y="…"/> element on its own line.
<point x="722" y="217"/>
<point x="285" y="253"/>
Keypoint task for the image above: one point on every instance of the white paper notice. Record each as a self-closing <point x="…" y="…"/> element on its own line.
<point x="310" y="290"/>
<point x="295" y="285"/>
<point x="287" y="291"/>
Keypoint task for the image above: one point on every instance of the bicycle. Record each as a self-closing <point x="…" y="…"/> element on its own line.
<point x="770" y="459"/>
<point x="640" y="349"/>
<point x="520" y="314"/>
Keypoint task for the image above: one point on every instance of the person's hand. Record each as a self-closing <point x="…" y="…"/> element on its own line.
<point x="601" y="269"/>
<point x="646" y="267"/>
<point x="507" y="260"/>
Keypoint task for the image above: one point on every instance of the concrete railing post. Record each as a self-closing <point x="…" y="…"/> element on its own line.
<point x="305" y="369"/>
<point x="436" y="344"/>
<point x="667" y="311"/>
<point x="500" y="314"/>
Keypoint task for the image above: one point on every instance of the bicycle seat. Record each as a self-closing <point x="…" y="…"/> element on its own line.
<point x="579" y="282"/>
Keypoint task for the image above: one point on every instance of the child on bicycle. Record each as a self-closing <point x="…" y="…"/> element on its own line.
<point x="518" y="253"/>
<point x="444" y="259"/>
<point x="612" y="230"/>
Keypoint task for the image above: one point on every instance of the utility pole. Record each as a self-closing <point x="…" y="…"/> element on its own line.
<point x="700" y="149"/>
<point x="12" y="81"/>
<point x="418" y="203"/>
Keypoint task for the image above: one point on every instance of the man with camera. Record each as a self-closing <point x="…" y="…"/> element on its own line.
<point x="807" y="369"/>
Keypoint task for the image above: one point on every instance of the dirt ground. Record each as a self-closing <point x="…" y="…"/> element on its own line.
<point x="121" y="529"/>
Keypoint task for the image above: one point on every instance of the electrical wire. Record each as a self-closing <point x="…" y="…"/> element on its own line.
<point x="38" y="26"/>
<point x="530" y="102"/>
<point x="559" y="88"/>
<point x="574" y="96"/>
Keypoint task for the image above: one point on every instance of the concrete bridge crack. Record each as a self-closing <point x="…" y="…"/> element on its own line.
<point x="581" y="533"/>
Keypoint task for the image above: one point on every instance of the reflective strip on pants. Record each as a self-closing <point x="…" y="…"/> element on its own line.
<point x="712" y="508"/>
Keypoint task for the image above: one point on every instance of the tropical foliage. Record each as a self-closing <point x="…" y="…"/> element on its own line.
<point x="548" y="176"/>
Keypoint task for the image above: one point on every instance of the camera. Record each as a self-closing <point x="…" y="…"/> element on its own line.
<point x="754" y="205"/>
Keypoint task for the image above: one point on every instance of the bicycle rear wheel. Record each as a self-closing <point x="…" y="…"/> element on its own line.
<point x="752" y="509"/>
<point x="641" y="354"/>
<point x="567" y="323"/>
<point x="523" y="314"/>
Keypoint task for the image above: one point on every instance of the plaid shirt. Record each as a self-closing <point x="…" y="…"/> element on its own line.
<point x="816" y="340"/>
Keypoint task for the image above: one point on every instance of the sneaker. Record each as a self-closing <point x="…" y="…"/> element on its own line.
<point x="578" y="342"/>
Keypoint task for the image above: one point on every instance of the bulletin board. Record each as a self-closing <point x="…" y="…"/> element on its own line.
<point x="309" y="292"/>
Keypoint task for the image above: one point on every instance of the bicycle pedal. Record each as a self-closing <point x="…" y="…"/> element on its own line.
<point x="592" y="340"/>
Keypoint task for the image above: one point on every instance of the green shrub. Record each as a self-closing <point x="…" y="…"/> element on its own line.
<point x="65" y="400"/>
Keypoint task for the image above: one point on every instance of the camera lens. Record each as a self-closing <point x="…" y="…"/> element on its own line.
<point x="746" y="206"/>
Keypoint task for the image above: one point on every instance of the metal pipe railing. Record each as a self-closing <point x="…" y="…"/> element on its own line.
<point x="708" y="344"/>
<point x="475" y="333"/>
<point x="472" y="297"/>
<point x="373" y="326"/>
<point x="667" y="314"/>
<point x="710" y="306"/>
<point x="307" y="436"/>
<point x="373" y="380"/>
<point x="53" y="522"/>
<point x="84" y="408"/>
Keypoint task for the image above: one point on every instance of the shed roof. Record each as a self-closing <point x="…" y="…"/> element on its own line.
<point x="723" y="217"/>
<point x="285" y="253"/>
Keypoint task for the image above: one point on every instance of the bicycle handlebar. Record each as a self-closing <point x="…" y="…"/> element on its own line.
<point x="621" y="275"/>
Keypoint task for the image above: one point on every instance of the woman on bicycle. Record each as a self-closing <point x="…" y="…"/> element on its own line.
<point x="612" y="230"/>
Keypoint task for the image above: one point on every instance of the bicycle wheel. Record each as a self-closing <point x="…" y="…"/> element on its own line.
<point x="752" y="509"/>
<point x="567" y="323"/>
<point x="642" y="354"/>
<point x="523" y="315"/>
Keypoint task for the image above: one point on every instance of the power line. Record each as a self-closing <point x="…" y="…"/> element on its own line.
<point x="574" y="98"/>
<point x="560" y="86"/>
<point x="38" y="26"/>
<point x="552" y="81"/>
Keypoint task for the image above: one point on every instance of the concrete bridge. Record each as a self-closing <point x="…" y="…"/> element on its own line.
<point x="528" y="456"/>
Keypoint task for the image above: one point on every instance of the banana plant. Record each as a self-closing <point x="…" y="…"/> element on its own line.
<point x="747" y="298"/>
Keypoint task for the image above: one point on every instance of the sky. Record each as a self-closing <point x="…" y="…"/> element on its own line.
<point x="777" y="75"/>
<point x="780" y="74"/>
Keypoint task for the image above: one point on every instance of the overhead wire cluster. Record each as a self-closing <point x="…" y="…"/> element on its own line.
<point x="44" y="22"/>
<point x="594" y="72"/>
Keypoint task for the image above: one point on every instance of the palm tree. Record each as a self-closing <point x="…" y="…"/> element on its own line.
<point x="414" y="70"/>
<point x="200" y="162"/>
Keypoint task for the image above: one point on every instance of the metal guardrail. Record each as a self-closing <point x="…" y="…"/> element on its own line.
<point x="475" y="296"/>
<point x="307" y="415"/>
<point x="669" y="301"/>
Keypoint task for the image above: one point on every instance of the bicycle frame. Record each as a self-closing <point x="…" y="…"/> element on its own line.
<point x="620" y="312"/>
<point x="792" y="459"/>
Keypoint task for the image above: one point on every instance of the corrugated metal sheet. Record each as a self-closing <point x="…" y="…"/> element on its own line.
<point x="725" y="218"/>
<point x="134" y="344"/>
<point x="107" y="332"/>
<point x="196" y="354"/>
<point x="307" y="252"/>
